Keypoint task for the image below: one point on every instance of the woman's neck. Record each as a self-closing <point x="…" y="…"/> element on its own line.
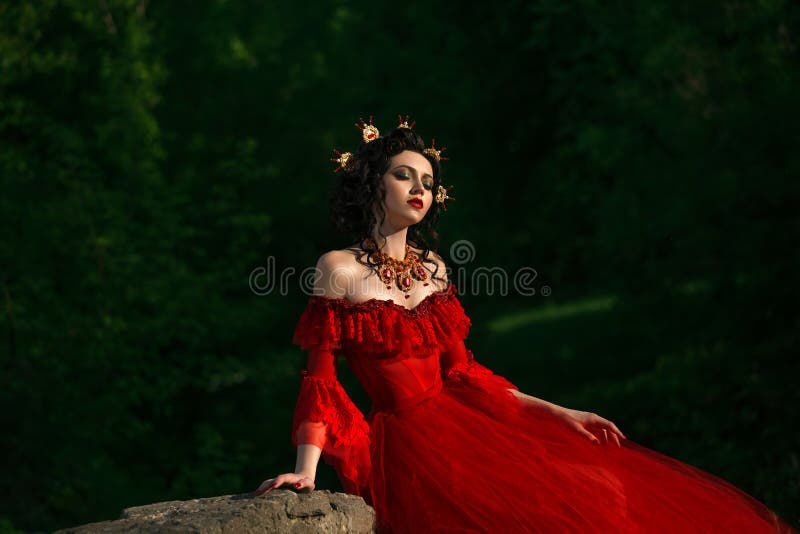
<point x="395" y="245"/>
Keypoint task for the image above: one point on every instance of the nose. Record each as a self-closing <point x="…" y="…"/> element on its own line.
<point x="417" y="187"/>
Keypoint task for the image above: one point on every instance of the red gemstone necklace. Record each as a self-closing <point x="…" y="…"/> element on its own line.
<point x="403" y="272"/>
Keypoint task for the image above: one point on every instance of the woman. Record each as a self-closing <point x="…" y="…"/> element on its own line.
<point x="448" y="445"/>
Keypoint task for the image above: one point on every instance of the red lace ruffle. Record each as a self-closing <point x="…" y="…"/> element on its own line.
<point x="383" y="327"/>
<point x="346" y="446"/>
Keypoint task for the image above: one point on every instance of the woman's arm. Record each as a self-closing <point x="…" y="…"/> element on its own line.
<point x="459" y="361"/>
<point x="537" y="403"/>
<point x="579" y="421"/>
<point x="326" y="424"/>
<point x="307" y="460"/>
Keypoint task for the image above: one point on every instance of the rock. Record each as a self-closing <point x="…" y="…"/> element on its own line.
<point x="280" y="510"/>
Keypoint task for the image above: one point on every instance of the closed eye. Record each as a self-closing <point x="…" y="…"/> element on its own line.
<point x="427" y="184"/>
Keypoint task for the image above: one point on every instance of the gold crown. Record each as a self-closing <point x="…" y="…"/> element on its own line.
<point x="369" y="132"/>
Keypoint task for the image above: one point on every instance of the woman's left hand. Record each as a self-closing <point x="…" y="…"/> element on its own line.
<point x="586" y="422"/>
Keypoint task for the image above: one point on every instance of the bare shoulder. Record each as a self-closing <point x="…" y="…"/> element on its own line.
<point x="335" y="272"/>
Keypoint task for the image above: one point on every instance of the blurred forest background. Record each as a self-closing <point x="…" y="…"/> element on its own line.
<point x="642" y="157"/>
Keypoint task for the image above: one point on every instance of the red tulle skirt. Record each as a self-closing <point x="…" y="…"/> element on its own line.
<point x="467" y="460"/>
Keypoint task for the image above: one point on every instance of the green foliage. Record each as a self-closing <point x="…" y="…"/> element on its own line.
<point x="640" y="157"/>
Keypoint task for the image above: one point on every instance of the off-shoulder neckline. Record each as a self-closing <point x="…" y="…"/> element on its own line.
<point x="375" y="303"/>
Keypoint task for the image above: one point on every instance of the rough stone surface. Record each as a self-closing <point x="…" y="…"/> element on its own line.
<point x="278" y="511"/>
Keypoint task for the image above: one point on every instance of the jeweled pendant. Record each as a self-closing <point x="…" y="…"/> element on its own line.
<point x="386" y="273"/>
<point x="406" y="283"/>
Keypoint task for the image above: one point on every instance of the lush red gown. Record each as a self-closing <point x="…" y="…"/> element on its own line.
<point x="447" y="447"/>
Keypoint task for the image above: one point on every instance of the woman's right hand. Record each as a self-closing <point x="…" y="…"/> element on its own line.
<point x="296" y="481"/>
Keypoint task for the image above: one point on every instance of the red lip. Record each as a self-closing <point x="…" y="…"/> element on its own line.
<point x="417" y="203"/>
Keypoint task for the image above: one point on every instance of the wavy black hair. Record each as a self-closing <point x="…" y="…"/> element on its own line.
<point x="359" y="189"/>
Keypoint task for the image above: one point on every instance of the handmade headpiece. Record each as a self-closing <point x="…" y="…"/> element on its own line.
<point x="369" y="132"/>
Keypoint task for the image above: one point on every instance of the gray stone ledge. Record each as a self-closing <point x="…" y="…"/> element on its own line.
<point x="280" y="510"/>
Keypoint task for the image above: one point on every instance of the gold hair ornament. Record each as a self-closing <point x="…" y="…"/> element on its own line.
<point x="369" y="132"/>
<point x="442" y="196"/>
<point x="404" y="123"/>
<point x="345" y="160"/>
<point x="436" y="154"/>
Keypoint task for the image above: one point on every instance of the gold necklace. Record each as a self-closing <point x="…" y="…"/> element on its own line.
<point x="403" y="272"/>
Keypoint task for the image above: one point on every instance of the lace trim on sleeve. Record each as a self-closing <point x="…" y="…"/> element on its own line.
<point x="473" y="373"/>
<point x="346" y="443"/>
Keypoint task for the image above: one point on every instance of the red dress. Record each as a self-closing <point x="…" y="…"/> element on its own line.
<point x="447" y="447"/>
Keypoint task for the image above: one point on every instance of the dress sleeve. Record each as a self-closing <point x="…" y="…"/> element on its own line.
<point x="325" y="415"/>
<point x="458" y="364"/>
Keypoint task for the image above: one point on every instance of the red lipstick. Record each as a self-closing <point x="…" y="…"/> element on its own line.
<point x="416" y="202"/>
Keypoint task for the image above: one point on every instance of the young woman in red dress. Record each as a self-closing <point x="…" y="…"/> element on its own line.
<point x="448" y="445"/>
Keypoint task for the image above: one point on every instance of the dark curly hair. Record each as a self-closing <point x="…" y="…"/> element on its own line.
<point x="358" y="189"/>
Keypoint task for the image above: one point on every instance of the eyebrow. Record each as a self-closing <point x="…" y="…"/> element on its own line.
<point x="415" y="170"/>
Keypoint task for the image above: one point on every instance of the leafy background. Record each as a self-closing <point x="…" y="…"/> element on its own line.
<point x="642" y="158"/>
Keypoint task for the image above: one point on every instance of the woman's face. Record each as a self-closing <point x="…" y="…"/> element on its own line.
<point x="409" y="178"/>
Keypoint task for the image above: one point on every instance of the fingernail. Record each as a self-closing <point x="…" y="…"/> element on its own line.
<point x="297" y="485"/>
